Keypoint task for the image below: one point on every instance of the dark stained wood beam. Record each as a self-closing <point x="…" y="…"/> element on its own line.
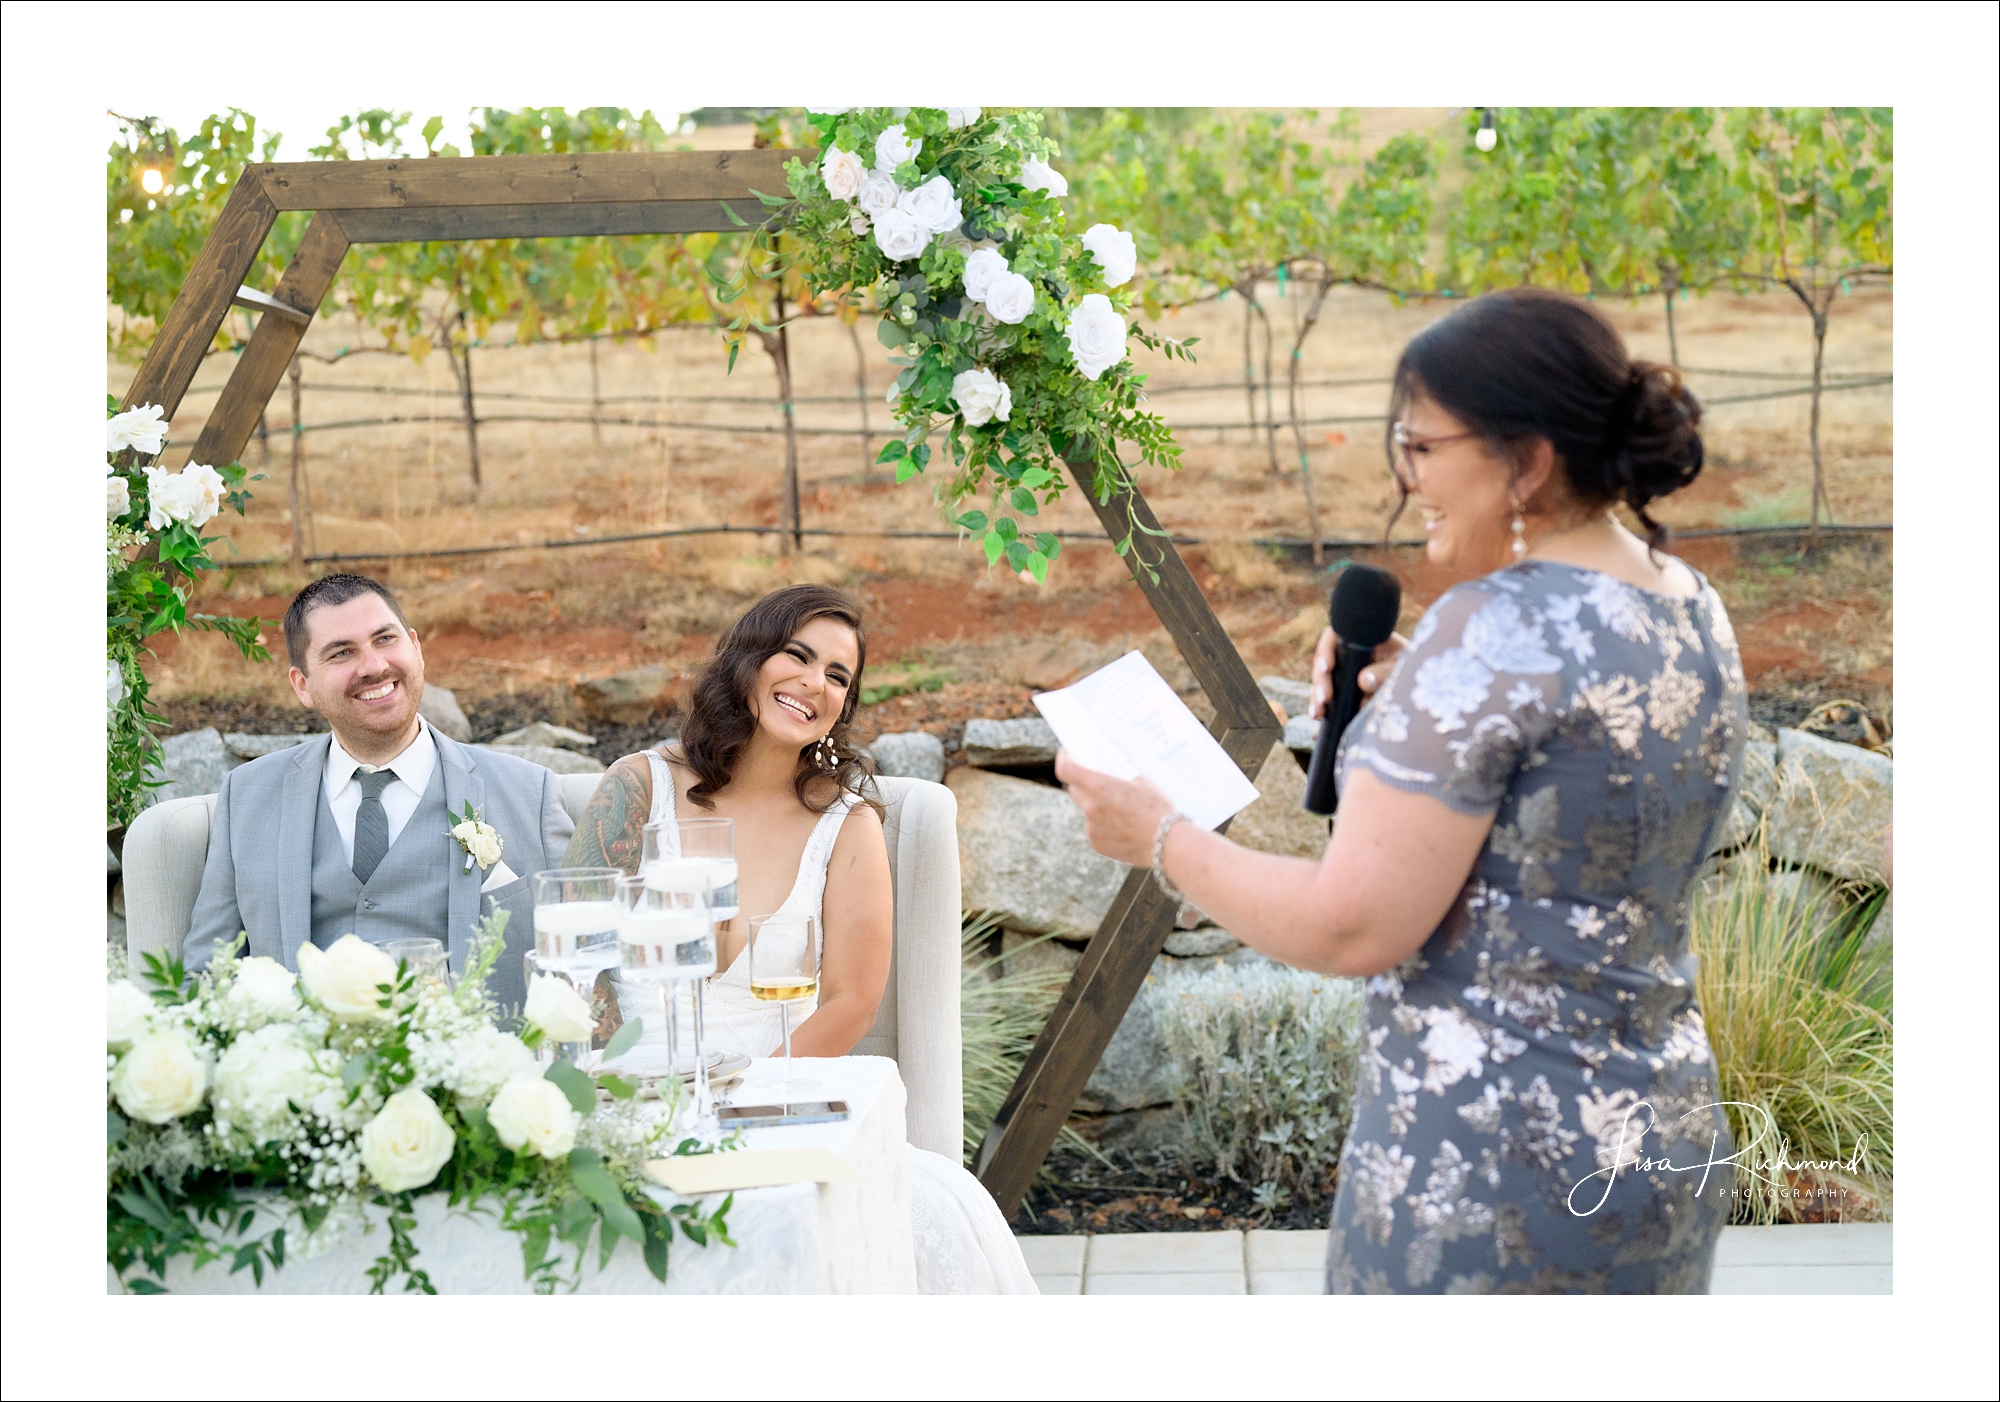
<point x="188" y="329"/>
<point x="263" y="362"/>
<point x="605" y="177"/>
<point x="1121" y="953"/>
<point x="427" y="223"/>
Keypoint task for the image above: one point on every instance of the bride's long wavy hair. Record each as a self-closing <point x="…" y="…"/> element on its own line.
<point x="720" y="720"/>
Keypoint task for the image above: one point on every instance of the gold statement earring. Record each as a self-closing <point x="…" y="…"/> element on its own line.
<point x="1520" y="546"/>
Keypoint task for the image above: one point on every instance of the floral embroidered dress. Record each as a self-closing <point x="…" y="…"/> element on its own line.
<point x="1537" y="1081"/>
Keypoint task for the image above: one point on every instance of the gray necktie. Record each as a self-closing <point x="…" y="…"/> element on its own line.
<point x="371" y="824"/>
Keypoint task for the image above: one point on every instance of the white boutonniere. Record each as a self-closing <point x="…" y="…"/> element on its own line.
<point x="477" y="837"/>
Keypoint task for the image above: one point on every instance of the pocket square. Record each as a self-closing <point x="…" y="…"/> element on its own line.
<point x="501" y="875"/>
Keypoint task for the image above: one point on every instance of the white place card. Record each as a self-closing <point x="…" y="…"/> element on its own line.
<point x="1125" y="721"/>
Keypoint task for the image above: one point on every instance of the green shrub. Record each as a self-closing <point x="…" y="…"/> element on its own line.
<point x="1798" y="1008"/>
<point x="1265" y="1060"/>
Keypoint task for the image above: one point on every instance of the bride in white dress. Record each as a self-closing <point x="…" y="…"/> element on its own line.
<point x="765" y="744"/>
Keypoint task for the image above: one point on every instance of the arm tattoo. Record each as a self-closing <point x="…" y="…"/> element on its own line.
<point x="611" y="830"/>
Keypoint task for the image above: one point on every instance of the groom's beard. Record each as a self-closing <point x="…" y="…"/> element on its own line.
<point x="360" y="718"/>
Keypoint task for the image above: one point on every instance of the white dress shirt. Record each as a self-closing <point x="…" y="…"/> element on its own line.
<point x="413" y="768"/>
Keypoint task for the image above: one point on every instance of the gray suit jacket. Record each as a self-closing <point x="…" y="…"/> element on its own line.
<point x="260" y="850"/>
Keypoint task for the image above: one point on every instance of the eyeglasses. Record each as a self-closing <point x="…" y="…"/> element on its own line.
<point x="1404" y="467"/>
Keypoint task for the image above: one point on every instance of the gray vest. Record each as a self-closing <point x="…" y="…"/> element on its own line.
<point x="409" y="894"/>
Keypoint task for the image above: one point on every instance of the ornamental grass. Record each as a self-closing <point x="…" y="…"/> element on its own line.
<point x="1000" y="1014"/>
<point x="1797" y="1002"/>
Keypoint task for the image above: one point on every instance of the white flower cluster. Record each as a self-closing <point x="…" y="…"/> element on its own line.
<point x="903" y="221"/>
<point x="143" y="429"/>
<point x="194" y="495"/>
<point x="480" y="841"/>
<point x="263" y="1051"/>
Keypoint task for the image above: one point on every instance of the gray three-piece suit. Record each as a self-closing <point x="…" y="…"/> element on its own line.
<point x="276" y="868"/>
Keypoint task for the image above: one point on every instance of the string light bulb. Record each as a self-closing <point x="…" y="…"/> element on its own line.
<point x="1486" y="138"/>
<point x="151" y="181"/>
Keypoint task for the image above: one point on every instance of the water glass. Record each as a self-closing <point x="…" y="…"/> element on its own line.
<point x="576" y="922"/>
<point x="713" y="841"/>
<point x="425" y="958"/>
<point x="666" y="937"/>
<point x="784" y="954"/>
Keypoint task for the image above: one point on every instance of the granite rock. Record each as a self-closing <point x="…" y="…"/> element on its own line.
<point x="626" y="698"/>
<point x="1831" y="806"/>
<point x="257" y="746"/>
<point x="561" y="761"/>
<point x="1294" y="698"/>
<point x="1274" y="821"/>
<point x="440" y="707"/>
<point x="1009" y="743"/>
<point x="555" y="737"/>
<point x="913" y="754"/>
<point x="192" y="762"/>
<point x="1022" y="854"/>
<point x="1200" y="944"/>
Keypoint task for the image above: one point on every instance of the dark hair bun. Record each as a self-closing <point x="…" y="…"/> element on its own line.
<point x="1657" y="447"/>
<point x="1532" y="362"/>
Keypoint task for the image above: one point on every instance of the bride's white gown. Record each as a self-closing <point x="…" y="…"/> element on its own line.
<point x="963" y="1244"/>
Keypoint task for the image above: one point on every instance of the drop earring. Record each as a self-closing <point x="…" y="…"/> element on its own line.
<point x="1520" y="546"/>
<point x="824" y="752"/>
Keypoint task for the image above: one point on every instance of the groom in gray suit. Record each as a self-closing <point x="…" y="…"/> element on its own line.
<point x="349" y="833"/>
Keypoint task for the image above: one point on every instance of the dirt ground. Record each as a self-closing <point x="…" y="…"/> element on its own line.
<point x="514" y="631"/>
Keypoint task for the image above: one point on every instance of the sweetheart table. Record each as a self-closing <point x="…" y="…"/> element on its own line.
<point x="797" y="1238"/>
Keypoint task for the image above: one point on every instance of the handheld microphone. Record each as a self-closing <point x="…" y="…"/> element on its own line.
<point x="1363" y="613"/>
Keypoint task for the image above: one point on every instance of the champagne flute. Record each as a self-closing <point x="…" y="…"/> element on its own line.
<point x="576" y="930"/>
<point x="784" y="969"/>
<point x="666" y="937"/>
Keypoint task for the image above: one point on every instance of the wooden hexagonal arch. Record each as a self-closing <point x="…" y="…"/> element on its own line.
<point x="554" y="196"/>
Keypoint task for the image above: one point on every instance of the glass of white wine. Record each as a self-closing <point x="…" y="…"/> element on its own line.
<point x="784" y="952"/>
<point x="666" y="937"/>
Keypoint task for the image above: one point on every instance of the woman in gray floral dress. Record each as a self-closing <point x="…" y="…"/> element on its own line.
<point x="1525" y="803"/>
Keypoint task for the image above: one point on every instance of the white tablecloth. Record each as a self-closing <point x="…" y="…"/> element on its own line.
<point x="802" y="1238"/>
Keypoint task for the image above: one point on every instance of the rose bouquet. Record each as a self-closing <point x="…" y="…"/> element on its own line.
<point x="1011" y="331"/>
<point x="354" y="1083"/>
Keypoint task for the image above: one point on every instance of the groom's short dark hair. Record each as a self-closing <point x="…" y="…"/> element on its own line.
<point x="325" y="592"/>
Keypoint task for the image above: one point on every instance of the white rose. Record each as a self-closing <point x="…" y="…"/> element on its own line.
<point x="956" y="118"/>
<point x="843" y="172"/>
<point x="262" y="988"/>
<point x="485" y="1061"/>
<point x="828" y="111"/>
<point x="117" y="497"/>
<point x="981" y="396"/>
<point x="1009" y="298"/>
<point x="533" y="1112"/>
<point x="900" y="236"/>
<point x="144" y="428"/>
<point x="205" y="489"/>
<point x="895" y="146"/>
<point x="860" y="223"/>
<point x="193" y="495"/>
<point x="406" y="1143"/>
<point x="262" y="1076"/>
<point x="128" y="1011"/>
<point x="559" y="1010"/>
<point x="344" y="978"/>
<point x="114" y="683"/>
<point x="160" y="1079"/>
<point x="484" y="845"/>
<point x="981" y="268"/>
<point x="1038" y="174"/>
<point x="878" y="192"/>
<point x="1114" y="252"/>
<point x="1096" y="336"/>
<point x="933" y="205"/>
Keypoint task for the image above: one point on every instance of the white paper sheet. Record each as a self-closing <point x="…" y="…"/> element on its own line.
<point x="1125" y="721"/>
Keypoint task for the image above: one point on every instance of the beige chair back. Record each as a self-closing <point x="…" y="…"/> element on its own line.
<point x="167" y="847"/>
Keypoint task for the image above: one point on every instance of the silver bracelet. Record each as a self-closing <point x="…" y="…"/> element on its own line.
<point x="1159" y="851"/>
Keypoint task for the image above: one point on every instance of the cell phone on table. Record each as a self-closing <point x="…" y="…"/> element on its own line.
<point x="803" y="1112"/>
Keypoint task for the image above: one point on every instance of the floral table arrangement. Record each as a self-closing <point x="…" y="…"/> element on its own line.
<point x="247" y="1089"/>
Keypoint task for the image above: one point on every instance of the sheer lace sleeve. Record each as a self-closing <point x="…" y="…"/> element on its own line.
<point x="1459" y="713"/>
